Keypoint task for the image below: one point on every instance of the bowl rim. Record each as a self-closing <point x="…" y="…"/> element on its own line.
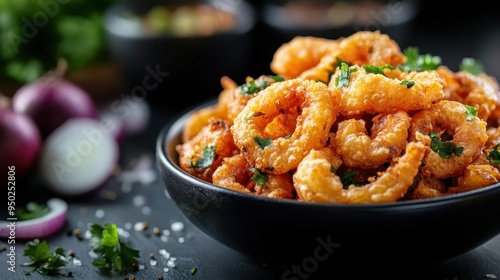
<point x="116" y="24"/>
<point x="173" y="127"/>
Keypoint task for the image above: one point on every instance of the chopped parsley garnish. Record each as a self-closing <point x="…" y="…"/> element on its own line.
<point x="253" y="86"/>
<point x="342" y="80"/>
<point x="407" y="83"/>
<point x="445" y="149"/>
<point x="207" y="158"/>
<point x="41" y="259"/>
<point x="494" y="155"/>
<point x="260" y="178"/>
<point x="193" y="270"/>
<point x="263" y="142"/>
<point x="345" y="178"/>
<point x="33" y="211"/>
<point x="471" y="65"/>
<point x="377" y="69"/>
<point x="418" y="62"/>
<point x="277" y="78"/>
<point x="115" y="255"/>
<point x="471" y="112"/>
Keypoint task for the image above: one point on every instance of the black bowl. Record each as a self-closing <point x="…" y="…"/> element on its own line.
<point x="280" y="232"/>
<point x="160" y="65"/>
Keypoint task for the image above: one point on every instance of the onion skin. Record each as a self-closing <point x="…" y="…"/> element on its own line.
<point x="20" y="143"/>
<point x="50" y="101"/>
<point x="40" y="227"/>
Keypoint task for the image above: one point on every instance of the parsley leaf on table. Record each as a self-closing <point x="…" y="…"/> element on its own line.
<point x="41" y="259"/>
<point x="33" y="210"/>
<point x="115" y="255"/>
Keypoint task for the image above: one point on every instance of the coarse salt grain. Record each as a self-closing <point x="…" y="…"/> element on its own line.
<point x="146" y="210"/>
<point x="139" y="200"/>
<point x="99" y="213"/>
<point x="170" y="263"/>
<point x="177" y="226"/>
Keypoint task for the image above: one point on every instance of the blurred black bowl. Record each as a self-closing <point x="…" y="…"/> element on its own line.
<point x="164" y="66"/>
<point x="383" y="236"/>
<point x="286" y="19"/>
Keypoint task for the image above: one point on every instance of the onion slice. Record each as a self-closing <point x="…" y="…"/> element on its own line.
<point x="39" y="227"/>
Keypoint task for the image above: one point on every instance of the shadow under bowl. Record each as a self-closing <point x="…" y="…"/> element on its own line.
<point x="280" y="232"/>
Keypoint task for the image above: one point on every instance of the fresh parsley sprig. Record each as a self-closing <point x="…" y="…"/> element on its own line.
<point x="418" y="62"/>
<point x="42" y="259"/>
<point x="115" y="255"/>
<point x="33" y="210"/>
<point x="471" y="65"/>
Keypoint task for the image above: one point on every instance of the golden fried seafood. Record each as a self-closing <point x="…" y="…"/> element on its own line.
<point x="479" y="91"/>
<point x="370" y="48"/>
<point x="277" y="156"/>
<point x="202" y="154"/>
<point x="387" y="140"/>
<point x="448" y="158"/>
<point x="200" y="118"/>
<point x="476" y="176"/>
<point x="426" y="187"/>
<point x="351" y="120"/>
<point x="367" y="92"/>
<point x="315" y="179"/>
<point x="300" y="54"/>
<point x="232" y="173"/>
<point x="238" y="98"/>
<point x="235" y="173"/>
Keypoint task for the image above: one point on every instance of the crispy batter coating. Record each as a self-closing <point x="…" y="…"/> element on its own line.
<point x="376" y="93"/>
<point x="315" y="181"/>
<point x="467" y="131"/>
<point x="387" y="140"/>
<point x="370" y="48"/>
<point x="302" y="53"/>
<point x="203" y="154"/>
<point x="280" y="155"/>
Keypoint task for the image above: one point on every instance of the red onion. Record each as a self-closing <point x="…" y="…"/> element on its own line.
<point x="20" y="143"/>
<point x="51" y="100"/>
<point x="39" y="227"/>
<point x="78" y="157"/>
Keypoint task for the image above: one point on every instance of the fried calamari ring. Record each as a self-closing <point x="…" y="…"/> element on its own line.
<point x="468" y="132"/>
<point x="370" y="48"/>
<point x="300" y="54"/>
<point x="480" y="91"/>
<point x="389" y="133"/>
<point x="235" y="173"/>
<point x="277" y="156"/>
<point x="315" y="180"/>
<point x="203" y="154"/>
<point x="376" y="93"/>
